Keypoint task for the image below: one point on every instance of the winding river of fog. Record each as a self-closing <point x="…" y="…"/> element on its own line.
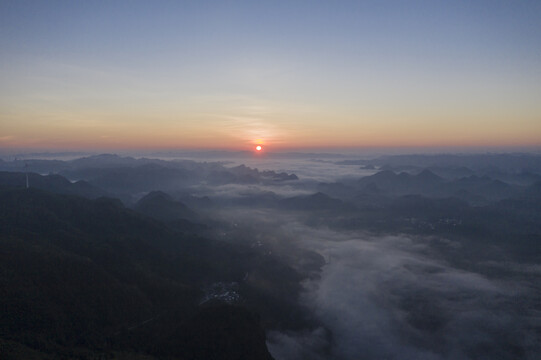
<point x="311" y="169"/>
<point x="394" y="297"/>
<point x="388" y="298"/>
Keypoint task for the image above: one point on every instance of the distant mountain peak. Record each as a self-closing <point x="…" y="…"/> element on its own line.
<point x="319" y="195"/>
<point x="162" y="206"/>
<point x="426" y="174"/>
<point x="384" y="174"/>
<point x="372" y="188"/>
<point x="157" y="194"/>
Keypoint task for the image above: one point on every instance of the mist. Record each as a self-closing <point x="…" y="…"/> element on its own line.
<point x="395" y="296"/>
<point x="342" y="257"/>
<point x="386" y="297"/>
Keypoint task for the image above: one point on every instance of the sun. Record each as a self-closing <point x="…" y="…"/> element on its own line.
<point x="259" y="148"/>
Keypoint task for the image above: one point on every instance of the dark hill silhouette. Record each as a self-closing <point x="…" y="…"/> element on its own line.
<point x="337" y="190"/>
<point x="128" y="177"/>
<point x="54" y="183"/>
<point x="84" y="277"/>
<point x="272" y="175"/>
<point x="512" y="163"/>
<point x="428" y="176"/>
<point x="533" y="191"/>
<point x="105" y="161"/>
<point x="484" y="186"/>
<point x="416" y="205"/>
<point x="221" y="331"/>
<point x="429" y="184"/>
<point x="245" y="175"/>
<point x="452" y="172"/>
<point x="315" y="202"/>
<point x="426" y="182"/>
<point x="161" y="206"/>
<point x="134" y="179"/>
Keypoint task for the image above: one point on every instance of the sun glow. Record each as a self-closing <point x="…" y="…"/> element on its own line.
<point x="258" y="148"/>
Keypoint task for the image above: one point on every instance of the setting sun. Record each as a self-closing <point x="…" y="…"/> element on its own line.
<point x="258" y="148"/>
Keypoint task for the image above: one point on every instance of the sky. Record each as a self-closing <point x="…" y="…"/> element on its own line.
<point x="283" y="74"/>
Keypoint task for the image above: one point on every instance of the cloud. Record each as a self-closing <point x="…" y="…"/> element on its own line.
<point x="309" y="345"/>
<point x="389" y="297"/>
<point x="246" y="191"/>
<point x="310" y="169"/>
<point x="385" y="298"/>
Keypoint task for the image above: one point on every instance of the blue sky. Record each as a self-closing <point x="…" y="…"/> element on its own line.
<point x="284" y="73"/>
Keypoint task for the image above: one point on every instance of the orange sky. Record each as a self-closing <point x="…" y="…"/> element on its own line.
<point x="117" y="76"/>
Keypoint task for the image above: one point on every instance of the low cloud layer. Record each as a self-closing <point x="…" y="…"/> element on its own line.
<point x="309" y="169"/>
<point x="387" y="298"/>
<point x="233" y="191"/>
<point x="452" y="295"/>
